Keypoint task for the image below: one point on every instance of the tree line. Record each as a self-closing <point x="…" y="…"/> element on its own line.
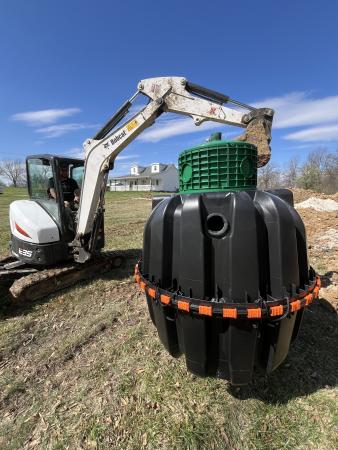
<point x="319" y="172"/>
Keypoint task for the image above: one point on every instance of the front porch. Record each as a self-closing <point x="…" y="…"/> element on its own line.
<point x="132" y="185"/>
<point x="139" y="187"/>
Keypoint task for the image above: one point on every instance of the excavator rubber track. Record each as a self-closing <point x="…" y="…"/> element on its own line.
<point x="41" y="283"/>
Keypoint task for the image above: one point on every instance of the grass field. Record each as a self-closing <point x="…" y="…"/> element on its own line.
<point x="84" y="369"/>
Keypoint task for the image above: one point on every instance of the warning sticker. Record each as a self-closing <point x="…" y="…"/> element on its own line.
<point x="131" y="125"/>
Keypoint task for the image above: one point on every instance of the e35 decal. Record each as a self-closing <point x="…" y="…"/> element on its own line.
<point x="24" y="252"/>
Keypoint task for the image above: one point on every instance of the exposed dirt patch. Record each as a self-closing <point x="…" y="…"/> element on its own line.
<point x="321" y="230"/>
<point x="322" y="240"/>
<point x="300" y="195"/>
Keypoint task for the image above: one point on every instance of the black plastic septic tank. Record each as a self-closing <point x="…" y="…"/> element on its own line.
<point x="225" y="267"/>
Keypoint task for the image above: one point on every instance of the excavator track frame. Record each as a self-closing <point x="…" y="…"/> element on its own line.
<point x="41" y="283"/>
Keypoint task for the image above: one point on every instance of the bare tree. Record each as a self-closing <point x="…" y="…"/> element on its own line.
<point x="14" y="171"/>
<point x="269" y="177"/>
<point x="319" y="172"/>
<point x="291" y="173"/>
<point x="330" y="174"/>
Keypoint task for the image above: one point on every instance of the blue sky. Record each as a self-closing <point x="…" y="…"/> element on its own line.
<point x="66" y="66"/>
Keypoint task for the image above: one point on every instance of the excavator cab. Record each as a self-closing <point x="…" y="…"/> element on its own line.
<point x="43" y="226"/>
<point x="45" y="175"/>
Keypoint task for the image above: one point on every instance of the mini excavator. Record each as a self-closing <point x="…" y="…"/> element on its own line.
<point x="54" y="245"/>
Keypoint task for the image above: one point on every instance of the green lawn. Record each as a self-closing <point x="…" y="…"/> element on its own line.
<point x="133" y="214"/>
<point x="9" y="195"/>
<point x="85" y="369"/>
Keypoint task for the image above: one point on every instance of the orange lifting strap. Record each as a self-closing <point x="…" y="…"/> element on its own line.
<point x="231" y="311"/>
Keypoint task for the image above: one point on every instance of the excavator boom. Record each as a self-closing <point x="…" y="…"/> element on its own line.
<point x="165" y="94"/>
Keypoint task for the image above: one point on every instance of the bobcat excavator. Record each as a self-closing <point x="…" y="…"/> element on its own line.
<point x="53" y="246"/>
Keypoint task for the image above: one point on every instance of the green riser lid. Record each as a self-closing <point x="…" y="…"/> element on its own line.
<point x="218" y="166"/>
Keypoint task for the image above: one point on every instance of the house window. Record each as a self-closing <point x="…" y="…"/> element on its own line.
<point x="156" y="182"/>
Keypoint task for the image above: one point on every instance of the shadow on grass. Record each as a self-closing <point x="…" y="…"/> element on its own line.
<point x="10" y="307"/>
<point x="312" y="362"/>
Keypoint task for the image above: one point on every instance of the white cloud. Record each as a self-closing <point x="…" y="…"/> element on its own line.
<point x="61" y="129"/>
<point x="135" y="109"/>
<point x="75" y="152"/>
<point x="295" y="109"/>
<point x="45" y="116"/>
<point x="301" y="109"/>
<point x="174" y="127"/>
<point x="78" y="152"/>
<point x="314" y="134"/>
<point x="289" y="147"/>
<point x="124" y="157"/>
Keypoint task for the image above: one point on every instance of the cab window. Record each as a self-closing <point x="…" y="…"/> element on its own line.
<point x="39" y="174"/>
<point x="77" y="174"/>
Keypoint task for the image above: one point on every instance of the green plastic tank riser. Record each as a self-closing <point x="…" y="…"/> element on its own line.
<point x="218" y="166"/>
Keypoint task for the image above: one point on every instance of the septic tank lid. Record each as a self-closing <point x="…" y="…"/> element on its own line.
<point x="218" y="166"/>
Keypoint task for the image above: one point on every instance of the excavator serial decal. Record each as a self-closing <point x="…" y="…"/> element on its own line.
<point x="27" y="253"/>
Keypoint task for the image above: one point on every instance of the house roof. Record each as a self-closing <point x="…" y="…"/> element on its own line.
<point x="146" y="173"/>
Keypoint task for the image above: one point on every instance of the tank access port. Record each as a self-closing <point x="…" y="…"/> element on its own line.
<point x="217" y="225"/>
<point x="274" y="309"/>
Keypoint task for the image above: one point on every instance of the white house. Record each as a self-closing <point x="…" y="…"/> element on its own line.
<point x="156" y="177"/>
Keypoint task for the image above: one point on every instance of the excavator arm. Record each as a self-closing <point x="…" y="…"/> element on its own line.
<point x="165" y="94"/>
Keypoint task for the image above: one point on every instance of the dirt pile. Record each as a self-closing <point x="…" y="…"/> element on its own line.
<point x="300" y="195"/>
<point x="328" y="240"/>
<point x="320" y="216"/>
<point x="318" y="204"/>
